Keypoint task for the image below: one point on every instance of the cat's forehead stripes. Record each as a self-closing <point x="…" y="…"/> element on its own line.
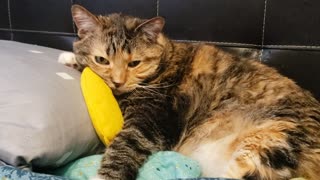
<point x="125" y="46"/>
<point x="118" y="33"/>
<point x="117" y="43"/>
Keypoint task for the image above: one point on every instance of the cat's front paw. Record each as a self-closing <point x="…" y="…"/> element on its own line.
<point x="68" y="59"/>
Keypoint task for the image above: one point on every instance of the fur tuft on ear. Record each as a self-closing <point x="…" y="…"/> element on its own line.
<point x="152" y="27"/>
<point x="84" y="20"/>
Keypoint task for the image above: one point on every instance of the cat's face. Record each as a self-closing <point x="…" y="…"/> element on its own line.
<point x="123" y="50"/>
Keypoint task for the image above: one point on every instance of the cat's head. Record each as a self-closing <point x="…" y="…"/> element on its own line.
<point x="123" y="50"/>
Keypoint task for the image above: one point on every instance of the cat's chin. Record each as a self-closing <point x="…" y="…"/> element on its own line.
<point x="122" y="90"/>
<point x="118" y="92"/>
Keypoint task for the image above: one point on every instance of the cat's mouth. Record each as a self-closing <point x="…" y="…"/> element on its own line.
<point x="115" y="91"/>
<point x="119" y="90"/>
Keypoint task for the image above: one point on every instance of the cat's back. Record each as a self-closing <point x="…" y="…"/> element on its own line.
<point x="248" y="79"/>
<point x="229" y="81"/>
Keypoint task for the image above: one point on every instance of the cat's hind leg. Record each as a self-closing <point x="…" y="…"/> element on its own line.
<point x="266" y="152"/>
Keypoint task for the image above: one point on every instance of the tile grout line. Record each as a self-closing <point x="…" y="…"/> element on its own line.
<point x="280" y="46"/>
<point x="263" y="29"/>
<point x="215" y="42"/>
<point x="40" y="32"/>
<point x="158" y="7"/>
<point x="10" y="23"/>
<point x="73" y="25"/>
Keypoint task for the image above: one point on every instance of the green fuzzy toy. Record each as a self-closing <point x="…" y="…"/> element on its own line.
<point x="161" y="165"/>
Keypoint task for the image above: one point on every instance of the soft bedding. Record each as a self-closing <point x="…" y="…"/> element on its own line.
<point x="161" y="165"/>
<point x="12" y="173"/>
<point x="44" y="120"/>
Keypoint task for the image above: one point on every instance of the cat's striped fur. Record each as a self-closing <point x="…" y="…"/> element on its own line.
<point x="237" y="117"/>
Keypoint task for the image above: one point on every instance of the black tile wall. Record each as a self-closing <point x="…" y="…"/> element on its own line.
<point x="6" y="35"/>
<point x="301" y="66"/>
<point x="287" y="22"/>
<point x="42" y="15"/>
<point x="218" y="20"/>
<point x="63" y="42"/>
<point x="4" y="18"/>
<point x="140" y="8"/>
<point x="293" y="22"/>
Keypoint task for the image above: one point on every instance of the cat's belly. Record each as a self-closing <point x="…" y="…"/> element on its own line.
<point x="214" y="142"/>
<point x="213" y="156"/>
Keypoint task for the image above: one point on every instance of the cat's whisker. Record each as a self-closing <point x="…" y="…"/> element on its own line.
<point x="151" y="90"/>
<point x="158" y="85"/>
<point x="154" y="92"/>
<point x="138" y="95"/>
<point x="141" y="97"/>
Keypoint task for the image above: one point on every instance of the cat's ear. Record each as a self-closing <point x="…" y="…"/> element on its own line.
<point x="152" y="27"/>
<point x="84" y="20"/>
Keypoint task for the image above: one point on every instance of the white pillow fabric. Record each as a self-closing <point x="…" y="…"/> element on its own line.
<point x="43" y="117"/>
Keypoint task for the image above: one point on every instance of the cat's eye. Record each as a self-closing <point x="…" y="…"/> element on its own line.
<point x="101" y="60"/>
<point x="134" y="63"/>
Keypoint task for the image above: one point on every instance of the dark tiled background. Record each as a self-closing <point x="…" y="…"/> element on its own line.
<point x="48" y="15"/>
<point x="286" y="32"/>
<point x="4" y="19"/>
<point x="254" y="23"/>
<point x="293" y="22"/>
<point x="214" y="20"/>
<point x="140" y="8"/>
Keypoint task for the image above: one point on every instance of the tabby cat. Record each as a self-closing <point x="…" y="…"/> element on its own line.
<point x="237" y="117"/>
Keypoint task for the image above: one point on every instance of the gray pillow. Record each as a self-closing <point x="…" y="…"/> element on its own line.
<point x="43" y="118"/>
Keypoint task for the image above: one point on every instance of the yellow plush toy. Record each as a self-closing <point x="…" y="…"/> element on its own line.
<point x="103" y="108"/>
